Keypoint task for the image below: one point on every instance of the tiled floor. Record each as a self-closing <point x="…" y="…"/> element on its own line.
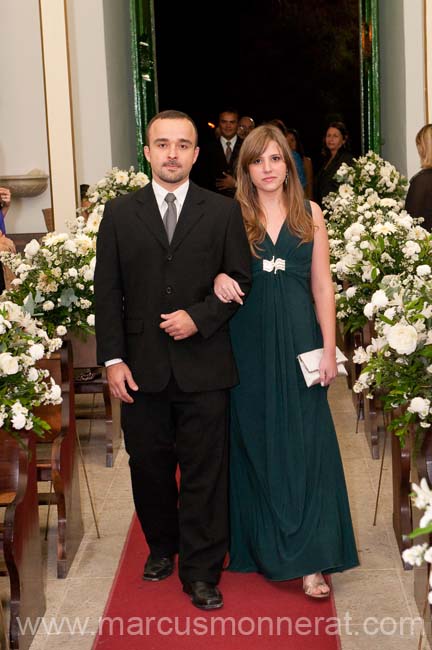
<point x="375" y="602"/>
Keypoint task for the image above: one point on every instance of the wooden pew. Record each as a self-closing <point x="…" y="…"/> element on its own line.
<point x="57" y="460"/>
<point x="20" y="543"/>
<point x="401" y="473"/>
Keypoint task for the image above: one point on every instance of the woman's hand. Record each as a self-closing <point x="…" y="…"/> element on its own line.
<point x="328" y="367"/>
<point x="6" y="244"/>
<point x="227" y="289"/>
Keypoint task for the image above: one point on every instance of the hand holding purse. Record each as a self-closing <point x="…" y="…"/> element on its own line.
<point x="310" y="361"/>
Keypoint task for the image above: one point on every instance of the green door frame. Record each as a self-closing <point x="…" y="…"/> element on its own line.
<point x="143" y="71"/>
<point x="369" y="76"/>
<point x="145" y="75"/>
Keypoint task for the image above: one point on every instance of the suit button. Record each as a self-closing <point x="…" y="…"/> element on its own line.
<point x="168" y="290"/>
<point x="169" y="258"/>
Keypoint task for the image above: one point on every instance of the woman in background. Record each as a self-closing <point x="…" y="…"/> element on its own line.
<point x="289" y="506"/>
<point x="336" y="143"/>
<point x="419" y="198"/>
<point x="6" y="244"/>
<point x="295" y="143"/>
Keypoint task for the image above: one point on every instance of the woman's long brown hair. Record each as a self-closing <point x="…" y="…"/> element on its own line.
<point x="298" y="221"/>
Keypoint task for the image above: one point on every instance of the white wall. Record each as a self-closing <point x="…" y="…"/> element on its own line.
<point x="402" y="74"/>
<point x="23" y="138"/>
<point x="102" y="92"/>
<point x="89" y="89"/>
<point x="120" y="83"/>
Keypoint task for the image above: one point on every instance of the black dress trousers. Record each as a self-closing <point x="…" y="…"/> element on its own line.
<point x="170" y="428"/>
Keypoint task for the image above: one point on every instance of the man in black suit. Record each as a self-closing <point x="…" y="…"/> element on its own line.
<point x="164" y="336"/>
<point x="216" y="168"/>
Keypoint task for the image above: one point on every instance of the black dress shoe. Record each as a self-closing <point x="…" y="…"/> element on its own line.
<point x="158" y="568"/>
<point x="203" y="594"/>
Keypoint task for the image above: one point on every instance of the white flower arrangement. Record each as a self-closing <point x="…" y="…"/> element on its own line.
<point x="380" y="241"/>
<point x="398" y="363"/>
<point x="419" y="553"/>
<point x="371" y="172"/>
<point x="369" y="233"/>
<point x="23" y="386"/>
<point x="54" y="279"/>
<point x="116" y="182"/>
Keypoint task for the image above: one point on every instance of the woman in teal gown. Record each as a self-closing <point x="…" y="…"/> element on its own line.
<point x="289" y="506"/>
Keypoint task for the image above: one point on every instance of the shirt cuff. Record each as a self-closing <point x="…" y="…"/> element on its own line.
<point x="111" y="362"/>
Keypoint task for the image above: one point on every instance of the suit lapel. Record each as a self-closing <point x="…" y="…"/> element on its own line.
<point x="192" y="211"/>
<point x="149" y="214"/>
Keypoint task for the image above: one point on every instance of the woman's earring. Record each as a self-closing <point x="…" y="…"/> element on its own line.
<point x="286" y="178"/>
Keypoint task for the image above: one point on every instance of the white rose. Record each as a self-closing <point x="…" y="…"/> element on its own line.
<point x="32" y="374"/>
<point x="423" y="269"/>
<point x="351" y="292"/>
<point x="55" y="393"/>
<point x="402" y="338"/>
<point x="61" y="330"/>
<point x="360" y="356"/>
<point x="121" y="178"/>
<point x="18" y="421"/>
<point x="73" y="273"/>
<point x="419" y="405"/>
<point x="90" y="320"/>
<point x="48" y="305"/>
<point x="390" y="312"/>
<point x="368" y="310"/>
<point x="36" y="351"/>
<point x="32" y="248"/>
<point x="411" y="249"/>
<point x="379" y="299"/>
<point x="414" y="555"/>
<point x="8" y="364"/>
<point x="70" y="246"/>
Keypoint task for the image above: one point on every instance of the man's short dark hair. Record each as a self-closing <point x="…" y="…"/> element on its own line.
<point x="171" y="115"/>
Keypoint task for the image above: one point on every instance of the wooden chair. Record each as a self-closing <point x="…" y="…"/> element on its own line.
<point x="84" y="355"/>
<point x="20" y="543"/>
<point x="110" y="412"/>
<point x="57" y="460"/>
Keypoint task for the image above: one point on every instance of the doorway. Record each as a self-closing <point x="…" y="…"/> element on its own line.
<point x="297" y="60"/>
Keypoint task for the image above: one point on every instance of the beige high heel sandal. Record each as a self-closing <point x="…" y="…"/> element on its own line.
<point x="312" y="583"/>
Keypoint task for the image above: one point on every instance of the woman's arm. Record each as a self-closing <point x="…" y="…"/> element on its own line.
<point x="323" y="293"/>
<point x="5" y="199"/>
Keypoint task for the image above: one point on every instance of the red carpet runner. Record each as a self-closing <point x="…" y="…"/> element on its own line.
<point x="257" y="614"/>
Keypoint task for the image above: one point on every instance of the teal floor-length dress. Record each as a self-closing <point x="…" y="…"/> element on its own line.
<point x="289" y="506"/>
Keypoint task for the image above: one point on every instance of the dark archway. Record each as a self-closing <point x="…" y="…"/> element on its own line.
<point x="293" y="59"/>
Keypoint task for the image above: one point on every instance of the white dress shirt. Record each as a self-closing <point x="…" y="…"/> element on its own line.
<point x="232" y="142"/>
<point x="160" y="194"/>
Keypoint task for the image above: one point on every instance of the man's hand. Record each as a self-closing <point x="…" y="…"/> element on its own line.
<point x="226" y="183"/>
<point x="179" y="325"/>
<point x="118" y="375"/>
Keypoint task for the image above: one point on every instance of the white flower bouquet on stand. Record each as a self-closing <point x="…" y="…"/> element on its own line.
<point x="23" y="386"/>
<point x="383" y="241"/>
<point x="116" y="182"/>
<point x="54" y="280"/>
<point x="399" y="360"/>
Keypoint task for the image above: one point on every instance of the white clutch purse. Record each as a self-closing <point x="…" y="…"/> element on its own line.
<point x="309" y="364"/>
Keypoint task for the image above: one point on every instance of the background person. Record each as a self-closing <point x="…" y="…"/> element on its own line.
<point x="218" y="158"/>
<point x="245" y="126"/>
<point x="418" y="202"/>
<point x="6" y="244"/>
<point x="336" y="151"/>
<point x="293" y="139"/>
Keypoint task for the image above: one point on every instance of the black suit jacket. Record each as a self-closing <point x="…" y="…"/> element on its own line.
<point x="139" y="276"/>
<point x="212" y="163"/>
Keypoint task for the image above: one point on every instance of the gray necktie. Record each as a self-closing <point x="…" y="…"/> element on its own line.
<point x="228" y="151"/>
<point x="170" y="216"/>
